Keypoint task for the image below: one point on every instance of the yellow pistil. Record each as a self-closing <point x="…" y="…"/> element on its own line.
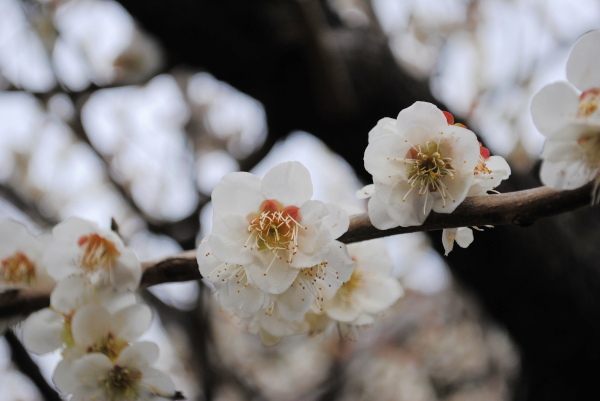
<point x="109" y="346"/>
<point x="123" y="383"/>
<point x="274" y="228"/>
<point x="99" y="253"/>
<point x="18" y="269"/>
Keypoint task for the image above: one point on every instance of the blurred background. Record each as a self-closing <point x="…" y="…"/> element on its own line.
<point x="134" y="110"/>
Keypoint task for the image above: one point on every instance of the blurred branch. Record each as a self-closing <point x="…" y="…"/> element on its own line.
<point x="520" y="208"/>
<point x="28" y="367"/>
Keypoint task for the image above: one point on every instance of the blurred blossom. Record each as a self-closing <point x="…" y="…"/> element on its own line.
<point x="229" y="114"/>
<point x="211" y="167"/>
<point x="140" y="130"/>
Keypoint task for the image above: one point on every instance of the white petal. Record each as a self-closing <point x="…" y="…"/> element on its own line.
<point x="42" y="331"/>
<point x="385" y="126"/>
<point x="341" y="310"/>
<point x="365" y="192"/>
<point x="126" y="275"/>
<point x="63" y="375"/>
<point x="380" y="293"/>
<point x="207" y="262"/>
<point x="457" y="188"/>
<point x="384" y="159"/>
<point x="448" y="238"/>
<point x="378" y="214"/>
<point x="229" y="240"/>
<point x="337" y="221"/>
<point x="295" y="302"/>
<point x="289" y="183"/>
<point x="421" y="114"/>
<point x="88" y="371"/>
<point x="554" y="106"/>
<point x="239" y="294"/>
<point x="237" y="193"/>
<point x="274" y="276"/>
<point x="411" y="210"/>
<point x="158" y="382"/>
<point x="566" y="174"/>
<point x="372" y="255"/>
<point x="582" y="66"/>
<point x="131" y="322"/>
<point x="139" y="355"/>
<point x="90" y="323"/>
<point x="464" y="237"/>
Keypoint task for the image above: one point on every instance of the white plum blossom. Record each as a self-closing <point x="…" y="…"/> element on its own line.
<point x="419" y="162"/>
<point x="80" y="247"/>
<point x="489" y="173"/>
<point x="50" y="328"/>
<point x="129" y="377"/>
<point x="271" y="226"/>
<point x="463" y="236"/>
<point x="370" y="290"/>
<point x="567" y="114"/>
<point x="286" y="313"/>
<point x="21" y="263"/>
<point x="277" y="315"/>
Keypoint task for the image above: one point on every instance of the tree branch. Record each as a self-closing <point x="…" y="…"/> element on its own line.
<point x="520" y="208"/>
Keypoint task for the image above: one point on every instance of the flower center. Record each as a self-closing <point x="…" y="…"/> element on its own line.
<point x="18" y="269"/>
<point x="428" y="168"/>
<point x="588" y="102"/>
<point x="274" y="227"/>
<point x="347" y="289"/>
<point x="109" y="346"/>
<point x="123" y="383"/>
<point x="98" y="252"/>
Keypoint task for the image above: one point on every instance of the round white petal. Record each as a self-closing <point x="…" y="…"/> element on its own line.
<point x="90" y="323"/>
<point x="272" y="276"/>
<point x="237" y="193"/>
<point x="582" y="66"/>
<point x="384" y="159"/>
<point x="385" y="126"/>
<point x="158" y="383"/>
<point x="464" y="237"/>
<point x="421" y="114"/>
<point x="377" y="210"/>
<point x="42" y="331"/>
<point x="131" y="322"/>
<point x="139" y="355"/>
<point x="288" y="183"/>
<point x="554" y="106"/>
<point x="568" y="174"/>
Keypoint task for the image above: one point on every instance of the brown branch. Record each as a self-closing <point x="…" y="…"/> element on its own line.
<point x="521" y="208"/>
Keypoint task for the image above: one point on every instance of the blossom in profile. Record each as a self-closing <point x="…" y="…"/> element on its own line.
<point x="489" y="173"/>
<point x="127" y="378"/>
<point x="21" y="263"/>
<point x="419" y="162"/>
<point x="567" y="114"/>
<point x="80" y="247"/>
<point x="271" y="226"/>
<point x="370" y="290"/>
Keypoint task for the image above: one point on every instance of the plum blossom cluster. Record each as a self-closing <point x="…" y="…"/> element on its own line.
<point x="422" y="161"/>
<point x="567" y="114"/>
<point x="273" y="257"/>
<point x="94" y="317"/>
